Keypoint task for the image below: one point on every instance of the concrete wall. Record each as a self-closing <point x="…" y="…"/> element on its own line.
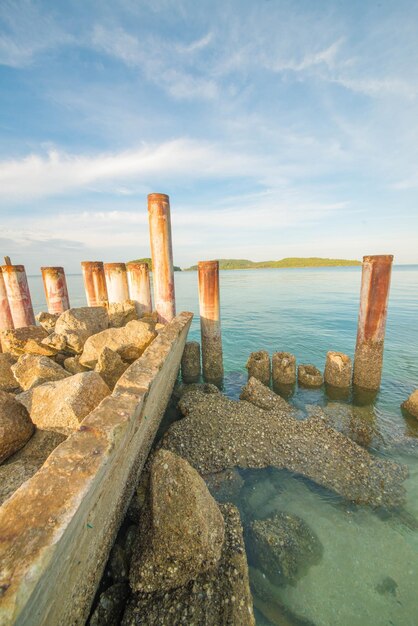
<point x="57" y="529"/>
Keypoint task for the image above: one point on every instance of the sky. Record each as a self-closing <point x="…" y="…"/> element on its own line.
<point x="278" y="128"/>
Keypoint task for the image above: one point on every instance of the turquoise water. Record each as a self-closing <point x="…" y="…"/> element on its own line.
<point x="308" y="312"/>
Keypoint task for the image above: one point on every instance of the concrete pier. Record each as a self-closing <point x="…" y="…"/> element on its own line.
<point x="6" y="320"/>
<point x="210" y="320"/>
<point x="375" y="283"/>
<point x="56" y="291"/>
<point x="190" y="362"/>
<point x="18" y="295"/>
<point x="258" y="366"/>
<point x="116" y="282"/>
<point x="162" y="256"/>
<point x="94" y="282"/>
<point x="139" y="286"/>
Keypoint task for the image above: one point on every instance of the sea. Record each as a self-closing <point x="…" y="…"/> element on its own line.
<point x="368" y="571"/>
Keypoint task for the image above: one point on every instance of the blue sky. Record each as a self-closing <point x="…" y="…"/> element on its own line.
<point x="277" y="128"/>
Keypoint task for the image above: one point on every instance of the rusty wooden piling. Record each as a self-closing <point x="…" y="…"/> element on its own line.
<point x="139" y="286"/>
<point x="162" y="256"/>
<point x="94" y="283"/>
<point x="18" y="295"/>
<point x="56" y="291"/>
<point x="116" y="282"/>
<point x="210" y="320"/>
<point x="375" y="283"/>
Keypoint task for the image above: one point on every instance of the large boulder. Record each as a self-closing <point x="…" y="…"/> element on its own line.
<point x="77" y="325"/>
<point x="284" y="547"/>
<point x="7" y="379"/>
<point x="14" y="341"/>
<point x="110" y="367"/>
<point x="129" y="342"/>
<point x="185" y="528"/>
<point x="31" y="371"/>
<point x="62" y="405"/>
<point x="16" y="427"/>
<point x="120" y="313"/>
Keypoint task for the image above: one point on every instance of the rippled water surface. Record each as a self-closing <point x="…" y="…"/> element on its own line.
<point x="368" y="572"/>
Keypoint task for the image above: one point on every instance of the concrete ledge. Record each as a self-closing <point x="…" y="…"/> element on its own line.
<point x="57" y="529"/>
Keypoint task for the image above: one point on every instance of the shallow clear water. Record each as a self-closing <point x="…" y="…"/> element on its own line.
<point x="308" y="312"/>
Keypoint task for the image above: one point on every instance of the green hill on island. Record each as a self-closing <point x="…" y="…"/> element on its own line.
<point x="245" y="264"/>
<point x="148" y="261"/>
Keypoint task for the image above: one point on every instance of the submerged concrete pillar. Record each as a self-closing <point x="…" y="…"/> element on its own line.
<point x="374" y="295"/>
<point x="116" y="282"/>
<point x="94" y="283"/>
<point x="56" y="291"/>
<point x="18" y="295"/>
<point x="210" y="320"/>
<point x="162" y="256"/>
<point x="139" y="286"/>
<point x="6" y="320"/>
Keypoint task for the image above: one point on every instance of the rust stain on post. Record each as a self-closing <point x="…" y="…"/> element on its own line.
<point x="56" y="291"/>
<point x="162" y="256"/>
<point x="116" y="282"/>
<point x="94" y="283"/>
<point x="6" y="320"/>
<point x="18" y="295"/>
<point x="210" y="320"/>
<point x="374" y="295"/>
<point x="139" y="286"/>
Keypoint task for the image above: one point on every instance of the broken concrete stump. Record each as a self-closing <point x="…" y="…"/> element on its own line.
<point x="283" y="368"/>
<point x="338" y="370"/>
<point x="190" y="362"/>
<point x="258" y="366"/>
<point x="16" y="427"/>
<point x="309" y="376"/>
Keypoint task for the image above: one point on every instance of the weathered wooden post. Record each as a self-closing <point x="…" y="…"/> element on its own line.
<point x="162" y="256"/>
<point x="94" y="283"/>
<point x="6" y="320"/>
<point x="18" y="295"/>
<point x="210" y="320"/>
<point x="375" y="283"/>
<point x="139" y="286"/>
<point x="56" y="291"/>
<point x="116" y="282"/>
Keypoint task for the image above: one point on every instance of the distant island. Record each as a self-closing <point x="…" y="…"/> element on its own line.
<point x="244" y="264"/>
<point x="148" y="261"/>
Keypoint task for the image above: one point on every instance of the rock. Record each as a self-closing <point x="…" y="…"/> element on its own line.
<point x="118" y="564"/>
<point x="225" y="486"/>
<point x="129" y="342"/>
<point x="283" y="368"/>
<point x="261" y="396"/>
<point x="55" y="342"/>
<point x="16" y="427"/>
<point x="14" y="341"/>
<point x="38" y="348"/>
<point x="7" y="379"/>
<point x="77" y="325"/>
<point x="110" y="367"/>
<point x="110" y="606"/>
<point x="120" y="313"/>
<point x="411" y="405"/>
<point x="283" y="547"/>
<point x="47" y="320"/>
<point x="218" y="597"/>
<point x="338" y="370"/>
<point x="130" y="539"/>
<point x="217" y="433"/>
<point x="184" y="533"/>
<point x="31" y="371"/>
<point x="190" y="361"/>
<point x="63" y="404"/>
<point x="72" y="364"/>
<point x="258" y="366"/>
<point x="309" y="376"/>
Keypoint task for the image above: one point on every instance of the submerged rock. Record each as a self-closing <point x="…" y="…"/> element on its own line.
<point x="14" y="341"/>
<point x="110" y="367"/>
<point x="218" y="433"/>
<point x="258" y="366"/>
<point x="110" y="606"/>
<point x="225" y="486"/>
<point x="411" y="405"/>
<point x="284" y="547"/>
<point x="77" y="325"/>
<point x="65" y="403"/>
<point x="31" y="371"/>
<point x="218" y="597"/>
<point x="7" y="380"/>
<point x="184" y="528"/>
<point x="129" y="342"/>
<point x="16" y="427"/>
